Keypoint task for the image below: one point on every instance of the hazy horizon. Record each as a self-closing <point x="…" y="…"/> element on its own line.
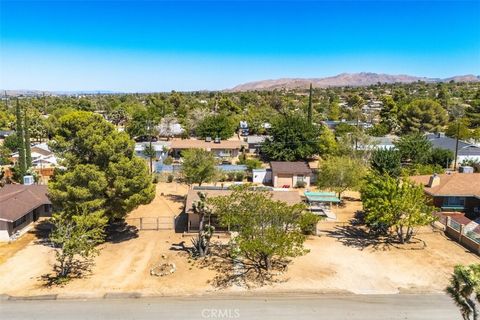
<point x="154" y="46"/>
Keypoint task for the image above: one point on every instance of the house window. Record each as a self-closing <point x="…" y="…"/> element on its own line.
<point x="20" y="221"/>
<point x="454" y="201"/>
<point x="300" y="179"/>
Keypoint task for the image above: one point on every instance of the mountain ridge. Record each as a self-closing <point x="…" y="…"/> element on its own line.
<point x="343" y="80"/>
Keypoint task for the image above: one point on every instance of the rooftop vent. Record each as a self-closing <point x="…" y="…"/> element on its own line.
<point x="208" y="139"/>
<point x="217" y="140"/>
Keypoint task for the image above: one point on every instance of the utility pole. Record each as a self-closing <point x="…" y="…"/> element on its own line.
<point x="6" y="101"/>
<point x="456" y="146"/>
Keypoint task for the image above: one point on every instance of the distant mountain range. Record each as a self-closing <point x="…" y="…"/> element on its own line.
<point x="344" y="79"/>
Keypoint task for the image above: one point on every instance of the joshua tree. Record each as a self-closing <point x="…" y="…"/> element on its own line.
<point x="205" y="229"/>
<point x="465" y="290"/>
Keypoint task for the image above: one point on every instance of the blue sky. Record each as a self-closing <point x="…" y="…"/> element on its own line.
<point x="162" y="46"/>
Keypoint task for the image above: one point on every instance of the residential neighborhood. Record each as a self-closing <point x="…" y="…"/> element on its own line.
<point x="240" y="160"/>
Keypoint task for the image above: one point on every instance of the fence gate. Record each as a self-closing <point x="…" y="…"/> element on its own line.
<point x="152" y="223"/>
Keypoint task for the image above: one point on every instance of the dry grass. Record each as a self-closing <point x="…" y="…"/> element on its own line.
<point x="8" y="249"/>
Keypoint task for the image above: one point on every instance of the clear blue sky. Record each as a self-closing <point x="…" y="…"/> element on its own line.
<point x="162" y="46"/>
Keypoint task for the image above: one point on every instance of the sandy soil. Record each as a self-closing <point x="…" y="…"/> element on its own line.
<point x="336" y="262"/>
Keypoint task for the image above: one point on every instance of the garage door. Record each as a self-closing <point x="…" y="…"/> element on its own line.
<point x="284" y="180"/>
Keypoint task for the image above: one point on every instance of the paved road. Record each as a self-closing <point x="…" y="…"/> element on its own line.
<point x="297" y="307"/>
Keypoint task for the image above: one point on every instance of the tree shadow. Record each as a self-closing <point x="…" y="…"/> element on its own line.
<point x="357" y="236"/>
<point x="120" y="231"/>
<point x="42" y="231"/>
<point x="175" y="198"/>
<point x="231" y="271"/>
<point x="79" y="269"/>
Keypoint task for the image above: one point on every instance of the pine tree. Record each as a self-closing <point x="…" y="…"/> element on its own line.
<point x="22" y="166"/>
<point x="28" y="151"/>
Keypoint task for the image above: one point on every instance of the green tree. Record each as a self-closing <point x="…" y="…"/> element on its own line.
<point x="22" y="162"/>
<point x="414" y="148"/>
<point x="441" y="157"/>
<point x="395" y="204"/>
<point x="340" y="174"/>
<point x="464" y="289"/>
<point x="460" y="128"/>
<point x="292" y="138"/>
<point x="213" y="126"/>
<point x="84" y="138"/>
<point x="423" y="115"/>
<point x="389" y="113"/>
<point x="82" y="189"/>
<point x="149" y="152"/>
<point x="198" y="166"/>
<point x="268" y="231"/>
<point x="386" y="161"/>
<point x="310" y="107"/>
<point x="12" y="142"/>
<point x="26" y="132"/>
<point x="75" y="241"/>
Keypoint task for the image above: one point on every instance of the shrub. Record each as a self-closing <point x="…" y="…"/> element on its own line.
<point x="308" y="223"/>
<point x="168" y="161"/>
<point x="170" y="178"/>
<point x="300" y="184"/>
<point x="230" y="176"/>
<point x="239" y="175"/>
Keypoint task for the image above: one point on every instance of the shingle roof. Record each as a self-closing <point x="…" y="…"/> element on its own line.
<point x="290" y="197"/>
<point x="455" y="184"/>
<point x="202" y="144"/>
<point x="16" y="200"/>
<point x="464" y="148"/>
<point x="287" y="167"/>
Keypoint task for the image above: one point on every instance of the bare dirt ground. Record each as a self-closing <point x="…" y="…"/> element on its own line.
<point x="337" y="261"/>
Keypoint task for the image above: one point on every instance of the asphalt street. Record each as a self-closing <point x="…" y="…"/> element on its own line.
<point x="287" y="306"/>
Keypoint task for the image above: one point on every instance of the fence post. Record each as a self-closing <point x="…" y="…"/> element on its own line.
<point x="462" y="230"/>
<point x="141" y="223"/>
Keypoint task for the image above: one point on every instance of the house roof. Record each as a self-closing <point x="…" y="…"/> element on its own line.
<point x="256" y="139"/>
<point x="202" y="144"/>
<point x="290" y="197"/>
<point x="443" y="142"/>
<point x="286" y="167"/>
<point x="455" y="184"/>
<point x="16" y="200"/>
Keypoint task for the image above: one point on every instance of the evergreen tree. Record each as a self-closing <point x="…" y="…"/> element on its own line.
<point x="28" y="150"/>
<point x="22" y="165"/>
<point x="309" y="116"/>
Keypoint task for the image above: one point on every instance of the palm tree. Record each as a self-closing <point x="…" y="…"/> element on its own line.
<point x="465" y="290"/>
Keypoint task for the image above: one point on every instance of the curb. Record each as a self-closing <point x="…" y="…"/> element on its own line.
<point x="122" y="295"/>
<point x="39" y="297"/>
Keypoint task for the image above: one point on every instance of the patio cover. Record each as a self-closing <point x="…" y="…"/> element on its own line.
<point x="321" y="197"/>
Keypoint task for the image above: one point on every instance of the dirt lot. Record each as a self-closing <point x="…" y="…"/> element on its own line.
<point x="336" y="262"/>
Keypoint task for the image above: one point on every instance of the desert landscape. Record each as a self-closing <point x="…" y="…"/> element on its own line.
<point x="336" y="262"/>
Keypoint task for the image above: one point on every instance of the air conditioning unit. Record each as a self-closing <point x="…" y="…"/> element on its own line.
<point x="208" y="139"/>
<point x="217" y="140"/>
<point x="28" y="180"/>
